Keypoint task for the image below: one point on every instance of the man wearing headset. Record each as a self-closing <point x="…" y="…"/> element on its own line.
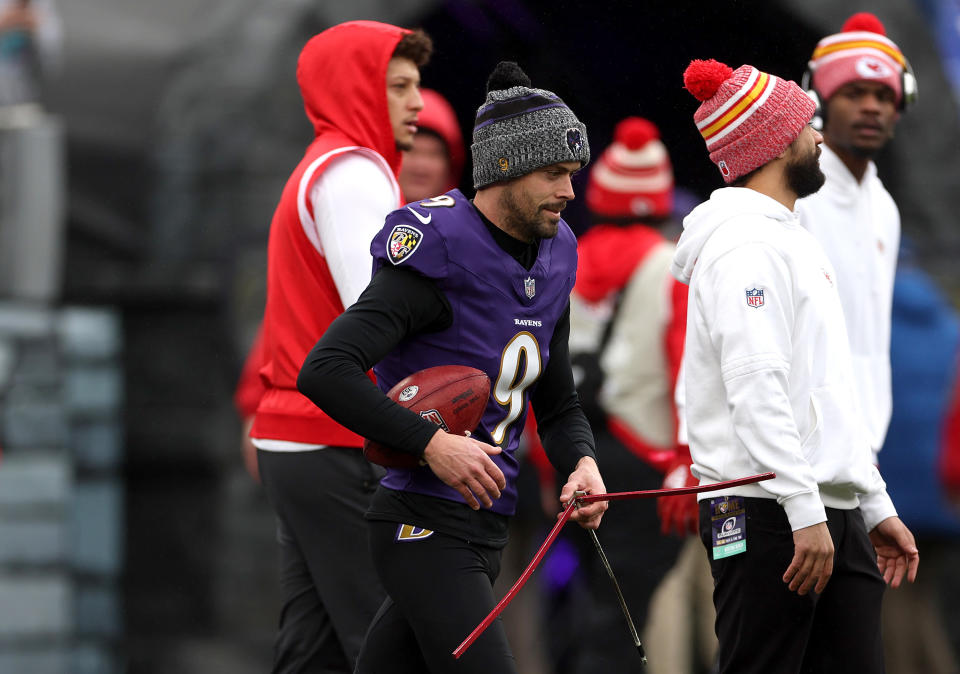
<point x="861" y="82"/>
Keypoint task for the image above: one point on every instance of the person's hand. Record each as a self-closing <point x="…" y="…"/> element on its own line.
<point x="679" y="514"/>
<point x="812" y="559"/>
<point x="464" y="464"/>
<point x="896" y="551"/>
<point x="586" y="478"/>
<point x="249" y="451"/>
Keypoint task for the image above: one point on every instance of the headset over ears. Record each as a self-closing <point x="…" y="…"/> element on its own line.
<point x="908" y="96"/>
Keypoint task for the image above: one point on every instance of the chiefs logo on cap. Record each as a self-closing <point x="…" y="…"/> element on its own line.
<point x="872" y="68"/>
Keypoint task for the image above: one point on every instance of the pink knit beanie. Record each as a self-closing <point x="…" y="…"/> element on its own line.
<point x="859" y="52"/>
<point x="747" y="117"/>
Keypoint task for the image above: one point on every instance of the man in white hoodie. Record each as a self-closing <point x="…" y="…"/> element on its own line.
<point x="769" y="387"/>
<point x="861" y="79"/>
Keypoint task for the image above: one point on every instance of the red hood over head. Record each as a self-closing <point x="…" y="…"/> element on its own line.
<point x="342" y="73"/>
<point x="438" y="116"/>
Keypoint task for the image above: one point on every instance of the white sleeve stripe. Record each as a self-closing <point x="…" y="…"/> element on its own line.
<point x="307" y="220"/>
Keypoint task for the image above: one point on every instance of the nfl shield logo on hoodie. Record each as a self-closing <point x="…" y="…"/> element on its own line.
<point x="754" y="297"/>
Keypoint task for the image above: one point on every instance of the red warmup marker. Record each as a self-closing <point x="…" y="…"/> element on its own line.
<point x="583" y="500"/>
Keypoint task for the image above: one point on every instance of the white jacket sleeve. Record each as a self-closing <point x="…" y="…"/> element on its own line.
<point x="350" y="202"/>
<point x="875" y="505"/>
<point x="752" y="340"/>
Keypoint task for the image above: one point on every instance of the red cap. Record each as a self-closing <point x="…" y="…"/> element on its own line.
<point x="633" y="177"/>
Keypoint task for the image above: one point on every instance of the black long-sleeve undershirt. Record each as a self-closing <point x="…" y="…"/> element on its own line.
<point x="398" y="304"/>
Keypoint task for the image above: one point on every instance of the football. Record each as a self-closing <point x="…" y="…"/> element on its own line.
<point x="451" y="396"/>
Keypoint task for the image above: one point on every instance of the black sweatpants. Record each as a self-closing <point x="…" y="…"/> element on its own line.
<point x="765" y="628"/>
<point x="439" y="589"/>
<point x="329" y="589"/>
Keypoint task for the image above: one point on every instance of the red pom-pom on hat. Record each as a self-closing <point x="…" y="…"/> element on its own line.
<point x="635" y="132"/>
<point x="703" y="78"/>
<point x="864" y="21"/>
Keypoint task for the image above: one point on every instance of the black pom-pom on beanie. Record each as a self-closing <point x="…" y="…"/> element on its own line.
<point x="507" y="74"/>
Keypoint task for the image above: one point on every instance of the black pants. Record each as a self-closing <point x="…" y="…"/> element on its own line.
<point x="763" y="627"/>
<point x="639" y="555"/>
<point x="329" y="589"/>
<point x="440" y="588"/>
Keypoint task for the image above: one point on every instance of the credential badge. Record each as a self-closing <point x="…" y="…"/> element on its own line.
<point x="754" y="297"/>
<point x="530" y="287"/>
<point x="403" y="242"/>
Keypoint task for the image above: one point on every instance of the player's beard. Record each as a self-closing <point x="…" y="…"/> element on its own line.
<point x="804" y="176"/>
<point x="525" y="219"/>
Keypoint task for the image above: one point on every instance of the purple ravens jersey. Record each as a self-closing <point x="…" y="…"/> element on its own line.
<point x="503" y="319"/>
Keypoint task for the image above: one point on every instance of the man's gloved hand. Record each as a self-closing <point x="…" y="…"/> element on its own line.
<point x="679" y="514"/>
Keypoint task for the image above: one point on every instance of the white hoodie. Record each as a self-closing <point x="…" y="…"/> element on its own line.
<point x="768" y="375"/>
<point x="858" y="225"/>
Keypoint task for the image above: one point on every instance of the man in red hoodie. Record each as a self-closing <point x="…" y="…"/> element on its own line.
<point x="360" y="85"/>
<point x="432" y="165"/>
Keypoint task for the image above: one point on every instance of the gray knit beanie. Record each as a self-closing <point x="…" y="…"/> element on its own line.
<point x="520" y="129"/>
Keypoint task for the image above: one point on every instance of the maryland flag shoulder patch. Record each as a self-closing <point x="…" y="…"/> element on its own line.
<point x="403" y="242"/>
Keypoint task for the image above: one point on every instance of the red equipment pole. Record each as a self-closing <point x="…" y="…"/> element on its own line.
<point x="571" y="506"/>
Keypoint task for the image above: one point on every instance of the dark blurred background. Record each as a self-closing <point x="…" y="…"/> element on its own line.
<point x="131" y="539"/>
